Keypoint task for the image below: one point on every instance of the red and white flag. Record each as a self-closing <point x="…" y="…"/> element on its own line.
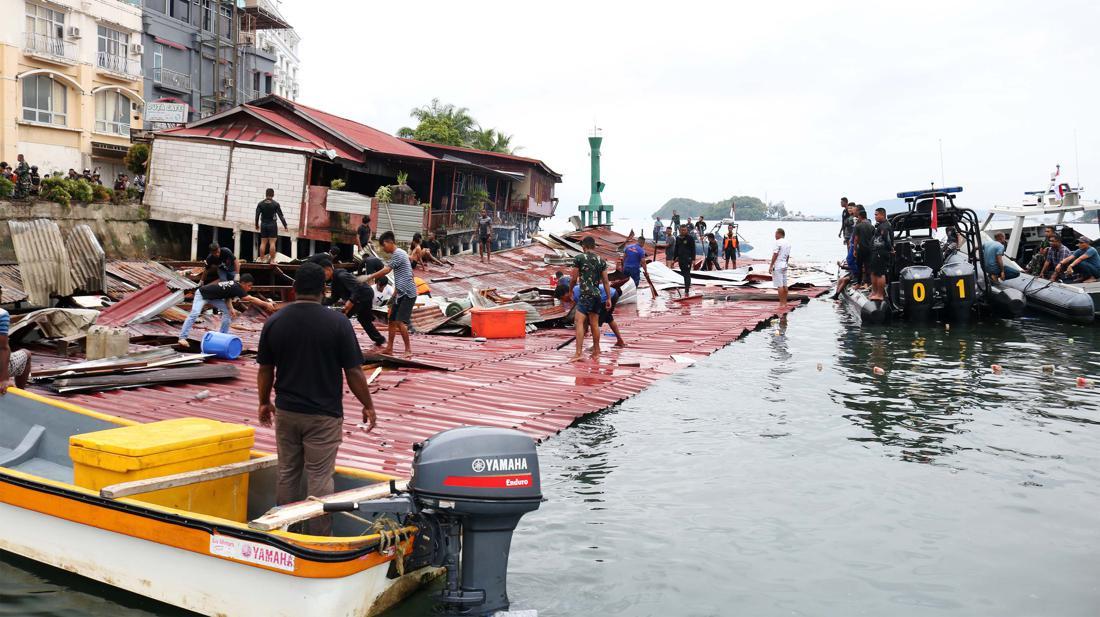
<point x="935" y="212"/>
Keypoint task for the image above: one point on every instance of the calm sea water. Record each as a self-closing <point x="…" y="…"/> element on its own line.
<point x="780" y="476"/>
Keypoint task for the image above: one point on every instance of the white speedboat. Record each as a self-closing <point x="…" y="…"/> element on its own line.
<point x="163" y="510"/>
<point x="1078" y="302"/>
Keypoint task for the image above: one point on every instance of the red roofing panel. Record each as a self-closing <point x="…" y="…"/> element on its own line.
<point x="122" y="313"/>
<point x="366" y="136"/>
<point x="485" y="153"/>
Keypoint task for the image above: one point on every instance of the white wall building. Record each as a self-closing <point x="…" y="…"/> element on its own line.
<point x="284" y="44"/>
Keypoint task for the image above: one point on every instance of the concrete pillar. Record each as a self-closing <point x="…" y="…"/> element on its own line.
<point x="237" y="241"/>
<point x="194" y="241"/>
<point x="312" y="247"/>
<point x="293" y="246"/>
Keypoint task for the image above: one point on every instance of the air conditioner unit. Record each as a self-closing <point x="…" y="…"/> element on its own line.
<point x="137" y="49"/>
<point x="74" y="32"/>
<point x="228" y="81"/>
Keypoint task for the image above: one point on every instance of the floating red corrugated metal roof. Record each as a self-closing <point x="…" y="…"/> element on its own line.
<point x="527" y="384"/>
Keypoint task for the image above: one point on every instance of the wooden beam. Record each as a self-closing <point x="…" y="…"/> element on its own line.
<point x="284" y="516"/>
<point x="137" y="487"/>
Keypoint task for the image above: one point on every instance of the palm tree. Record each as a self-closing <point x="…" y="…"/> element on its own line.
<point x="440" y="123"/>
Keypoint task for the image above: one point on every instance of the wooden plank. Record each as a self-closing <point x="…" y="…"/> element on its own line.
<point x="283" y="516"/>
<point x="187" y="478"/>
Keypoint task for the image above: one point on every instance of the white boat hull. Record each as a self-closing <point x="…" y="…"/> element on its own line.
<point x="201" y="583"/>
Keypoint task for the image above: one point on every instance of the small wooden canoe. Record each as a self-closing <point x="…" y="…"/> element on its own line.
<point x="208" y="564"/>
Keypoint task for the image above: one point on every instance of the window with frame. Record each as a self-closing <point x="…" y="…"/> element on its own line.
<point x="112" y="113"/>
<point x="113" y="47"/>
<point x="45" y="29"/>
<point x="44" y="100"/>
<point x="156" y="5"/>
<point x="158" y="57"/>
<point x="207" y="15"/>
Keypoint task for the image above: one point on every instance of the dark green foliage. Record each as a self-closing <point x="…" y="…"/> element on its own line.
<point x="448" y="125"/>
<point x="7" y="187"/>
<point x="137" y="158"/>
<point x="748" y="209"/>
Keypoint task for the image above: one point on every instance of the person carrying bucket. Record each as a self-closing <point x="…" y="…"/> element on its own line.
<point x="221" y="296"/>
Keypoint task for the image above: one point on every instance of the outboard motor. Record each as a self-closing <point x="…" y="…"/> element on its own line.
<point x="960" y="287"/>
<point x="918" y="292"/>
<point x="470" y="486"/>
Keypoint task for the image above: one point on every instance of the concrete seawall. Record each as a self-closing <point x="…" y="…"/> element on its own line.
<point x="123" y="230"/>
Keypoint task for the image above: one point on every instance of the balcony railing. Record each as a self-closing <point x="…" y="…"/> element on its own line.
<point x="51" y="46"/>
<point x="118" y="64"/>
<point x="172" y="79"/>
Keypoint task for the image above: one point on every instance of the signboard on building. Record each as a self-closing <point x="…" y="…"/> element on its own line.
<point x="166" y="112"/>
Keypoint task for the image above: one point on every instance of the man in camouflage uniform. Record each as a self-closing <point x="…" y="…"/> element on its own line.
<point x="23" y="184"/>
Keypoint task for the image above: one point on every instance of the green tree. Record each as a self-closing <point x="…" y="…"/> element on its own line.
<point x="136" y="158"/>
<point x="447" y="125"/>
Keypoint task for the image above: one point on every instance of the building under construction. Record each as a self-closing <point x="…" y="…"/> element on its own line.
<point x="206" y="54"/>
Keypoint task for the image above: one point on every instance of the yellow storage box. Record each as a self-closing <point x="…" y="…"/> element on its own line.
<point x="164" y="448"/>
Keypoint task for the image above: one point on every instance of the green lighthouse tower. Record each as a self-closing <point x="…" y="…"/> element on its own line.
<point x="592" y="213"/>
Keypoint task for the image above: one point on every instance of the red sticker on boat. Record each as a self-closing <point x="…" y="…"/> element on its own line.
<point x="508" y="481"/>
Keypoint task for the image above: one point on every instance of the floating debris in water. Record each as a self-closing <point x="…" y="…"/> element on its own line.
<point x="819" y="366"/>
<point x="878" y="371"/>
<point x="1048" y="368"/>
<point x="1085" y="382"/>
<point x="997" y="369"/>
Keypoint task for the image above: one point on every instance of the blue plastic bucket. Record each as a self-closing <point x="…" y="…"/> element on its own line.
<point x="225" y="346"/>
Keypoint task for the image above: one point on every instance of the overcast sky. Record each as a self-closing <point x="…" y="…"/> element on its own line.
<point x="802" y="101"/>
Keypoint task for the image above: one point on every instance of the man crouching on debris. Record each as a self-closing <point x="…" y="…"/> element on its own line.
<point x="221" y="296"/>
<point x="13" y="366"/>
<point x="305" y="352"/>
<point x="590" y="271"/>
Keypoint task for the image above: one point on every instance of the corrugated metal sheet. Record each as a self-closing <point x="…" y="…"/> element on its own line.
<point x="145" y="273"/>
<point x="11" y="284"/>
<point x="403" y="220"/>
<point x="144" y="304"/>
<point x="89" y="262"/>
<point x="43" y="261"/>
<point x="347" y="201"/>
<point x="527" y="384"/>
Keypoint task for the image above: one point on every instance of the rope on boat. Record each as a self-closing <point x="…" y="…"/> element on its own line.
<point x="390" y="534"/>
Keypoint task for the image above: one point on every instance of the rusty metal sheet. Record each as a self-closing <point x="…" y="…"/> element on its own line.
<point x="144" y="273"/>
<point x="87" y="259"/>
<point x="140" y="305"/>
<point x="11" y="284"/>
<point x="44" y="263"/>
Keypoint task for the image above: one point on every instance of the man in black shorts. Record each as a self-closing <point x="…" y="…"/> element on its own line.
<point x="404" y="296"/>
<point x="863" y="235"/>
<point x="485" y="236"/>
<point x="266" y="211"/>
<point x="882" y="249"/>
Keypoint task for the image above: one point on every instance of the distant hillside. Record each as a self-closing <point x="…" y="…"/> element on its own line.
<point x="748" y="209"/>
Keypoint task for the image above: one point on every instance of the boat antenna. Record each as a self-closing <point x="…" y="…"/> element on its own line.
<point x="1076" y="159"/>
<point x="943" y="182"/>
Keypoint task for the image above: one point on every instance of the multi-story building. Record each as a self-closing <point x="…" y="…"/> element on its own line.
<point x="207" y="53"/>
<point x="284" y="44"/>
<point x="70" y="82"/>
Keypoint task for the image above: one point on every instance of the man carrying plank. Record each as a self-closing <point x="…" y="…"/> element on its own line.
<point x="303" y="350"/>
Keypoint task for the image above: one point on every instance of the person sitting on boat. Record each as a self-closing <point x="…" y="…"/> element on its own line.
<point x="14" y="365"/>
<point x="993" y="259"/>
<point x="1039" y="259"/>
<point x="1056" y="253"/>
<point x="1084" y="263"/>
<point x="729" y="247"/>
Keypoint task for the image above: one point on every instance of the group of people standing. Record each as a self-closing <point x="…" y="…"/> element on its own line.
<point x="870" y="249"/>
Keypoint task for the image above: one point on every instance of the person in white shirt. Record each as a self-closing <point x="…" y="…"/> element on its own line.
<point x="383" y="291"/>
<point x="778" y="267"/>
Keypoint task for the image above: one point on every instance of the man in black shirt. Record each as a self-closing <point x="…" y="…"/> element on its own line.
<point x="363" y="234"/>
<point x="358" y="299"/>
<point x="266" y="211"/>
<point x="223" y="261"/>
<point x="845" y="232"/>
<point x="684" y="252"/>
<point x="221" y="296"/>
<point x="882" y="249"/>
<point x="862" y="236"/>
<point x="305" y="352"/>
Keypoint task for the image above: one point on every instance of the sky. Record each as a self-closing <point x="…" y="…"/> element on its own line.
<point x="801" y="102"/>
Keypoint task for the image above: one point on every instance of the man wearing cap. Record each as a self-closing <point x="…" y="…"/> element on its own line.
<point x="1084" y="263"/>
<point x="305" y="353"/>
